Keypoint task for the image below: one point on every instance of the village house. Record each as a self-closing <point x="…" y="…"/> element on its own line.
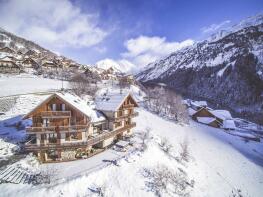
<point x="73" y="67"/>
<point x="30" y="53"/>
<point x="6" y="50"/>
<point x="50" y="66"/>
<point x="7" y="65"/>
<point x="214" y="118"/>
<point x="30" y="63"/>
<point x="64" y="127"/>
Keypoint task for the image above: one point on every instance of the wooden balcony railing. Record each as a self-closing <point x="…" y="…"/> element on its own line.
<point x="55" y="114"/>
<point x="128" y="105"/>
<point x="127" y="115"/>
<point x="94" y="140"/>
<point x="52" y="129"/>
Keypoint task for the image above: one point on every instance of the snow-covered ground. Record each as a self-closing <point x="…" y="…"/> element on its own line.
<point x="220" y="164"/>
<point x="26" y="83"/>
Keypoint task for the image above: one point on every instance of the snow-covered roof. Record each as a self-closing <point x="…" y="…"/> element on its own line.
<point x="229" y="124"/>
<point x="191" y="111"/>
<point x="82" y="106"/>
<point x="76" y="102"/>
<point x="199" y="103"/>
<point x="205" y="120"/>
<point x="6" y="58"/>
<point x="110" y="102"/>
<point x="222" y="114"/>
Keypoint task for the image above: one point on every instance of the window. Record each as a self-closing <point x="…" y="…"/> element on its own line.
<point x="45" y="122"/>
<point x="117" y="124"/>
<point x="54" y="107"/>
<point x="127" y="122"/>
<point x="63" y="107"/>
<point x="73" y="136"/>
<point x="52" y="138"/>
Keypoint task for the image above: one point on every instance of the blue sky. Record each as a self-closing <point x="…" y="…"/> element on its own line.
<point x="135" y="30"/>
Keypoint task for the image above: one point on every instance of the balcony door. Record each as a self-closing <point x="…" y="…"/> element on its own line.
<point x="42" y="139"/>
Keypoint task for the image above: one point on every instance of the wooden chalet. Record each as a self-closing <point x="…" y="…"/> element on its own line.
<point x="119" y="109"/>
<point x="7" y="65"/>
<point x="30" y="63"/>
<point x="73" y="67"/>
<point x="19" y="52"/>
<point x="30" y="53"/>
<point x="50" y="65"/>
<point x="65" y="128"/>
<point x="6" y="50"/>
<point x="214" y="118"/>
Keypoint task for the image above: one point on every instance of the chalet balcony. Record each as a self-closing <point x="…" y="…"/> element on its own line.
<point x="91" y="141"/>
<point x="55" y="114"/>
<point x="128" y="106"/>
<point x="130" y="115"/>
<point x="54" y="129"/>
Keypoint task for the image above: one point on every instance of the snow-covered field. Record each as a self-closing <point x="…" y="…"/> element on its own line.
<point x="220" y="165"/>
<point x="26" y="83"/>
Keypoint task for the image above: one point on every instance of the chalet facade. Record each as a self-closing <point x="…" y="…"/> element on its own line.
<point x="7" y="65"/>
<point x="65" y="128"/>
<point x="30" y="63"/>
<point x="50" y="66"/>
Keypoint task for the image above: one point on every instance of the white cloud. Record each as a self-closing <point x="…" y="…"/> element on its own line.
<point x="214" y="27"/>
<point x="143" y="50"/>
<point x="51" y="23"/>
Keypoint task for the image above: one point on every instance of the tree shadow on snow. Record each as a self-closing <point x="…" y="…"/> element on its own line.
<point x="12" y="130"/>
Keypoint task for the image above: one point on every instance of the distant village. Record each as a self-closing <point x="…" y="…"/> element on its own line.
<point x="52" y="66"/>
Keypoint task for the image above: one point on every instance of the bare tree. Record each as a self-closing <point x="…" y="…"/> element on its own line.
<point x="83" y="85"/>
<point x="167" y="103"/>
<point x="46" y="175"/>
<point x="162" y="179"/>
<point x="166" y="146"/>
<point x="145" y="137"/>
<point x="184" y="154"/>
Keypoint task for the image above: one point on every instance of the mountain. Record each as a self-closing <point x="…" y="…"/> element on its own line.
<point x="120" y="66"/>
<point x="226" y="69"/>
<point x="16" y="43"/>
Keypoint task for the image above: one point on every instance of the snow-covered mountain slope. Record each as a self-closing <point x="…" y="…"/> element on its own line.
<point x="219" y="69"/>
<point x="17" y="43"/>
<point x="120" y="66"/>
<point x="219" y="164"/>
<point x="21" y="49"/>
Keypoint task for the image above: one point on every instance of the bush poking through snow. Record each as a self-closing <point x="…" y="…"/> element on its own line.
<point x="164" y="180"/>
<point x="184" y="154"/>
<point x="166" y="146"/>
<point x="236" y="193"/>
<point x="46" y="175"/>
<point x="100" y="190"/>
<point x="145" y="138"/>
